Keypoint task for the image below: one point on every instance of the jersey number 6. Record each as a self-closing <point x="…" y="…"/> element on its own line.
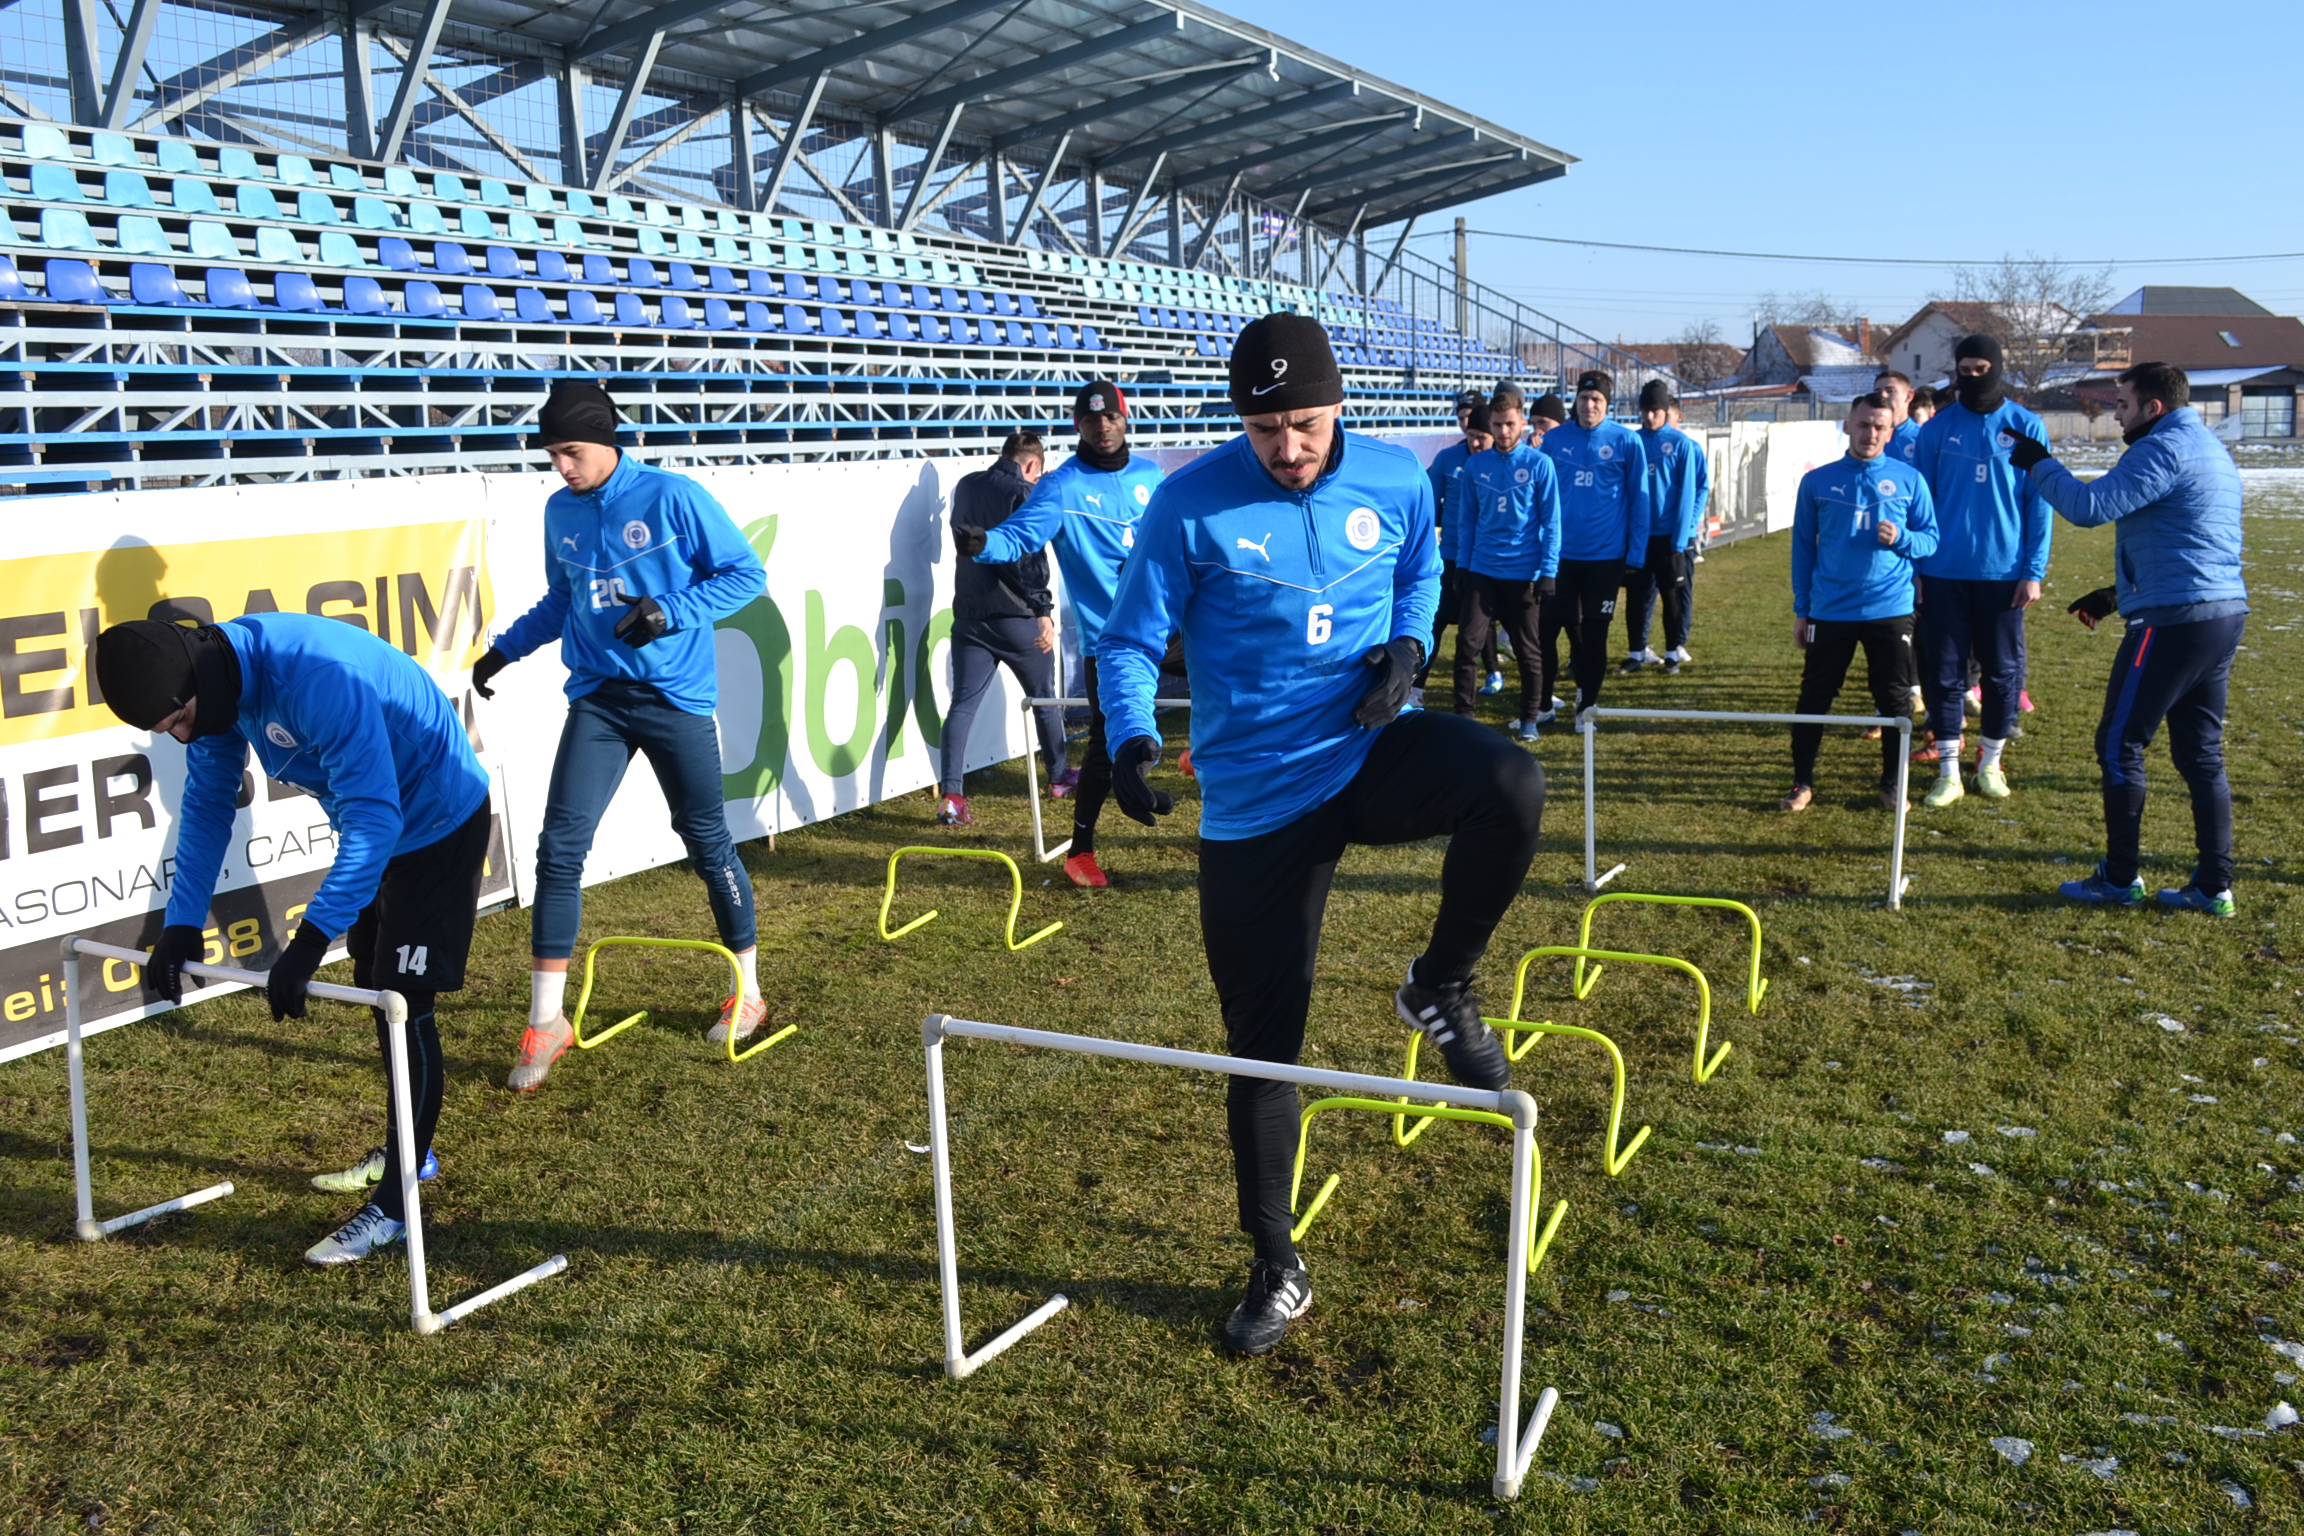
<point x="1317" y="629"/>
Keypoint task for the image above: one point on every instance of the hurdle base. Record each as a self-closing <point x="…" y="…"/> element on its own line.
<point x="97" y="1231"/>
<point x="434" y="1322"/>
<point x="1594" y="885"/>
<point x="1524" y="1453"/>
<point x="961" y="1367"/>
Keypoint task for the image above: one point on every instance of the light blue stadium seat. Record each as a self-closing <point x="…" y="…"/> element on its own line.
<point x="296" y="292"/>
<point x="641" y="273"/>
<point x="295" y="170"/>
<point x="276" y="245"/>
<point x="758" y="316"/>
<point x="339" y="249"/>
<point x="365" y="296"/>
<point x="190" y="194"/>
<point x="630" y="311"/>
<point x="449" y="189"/>
<point x="450" y="259"/>
<point x="422" y="300"/>
<point x="583" y="308"/>
<point x="397" y="255"/>
<point x="552" y="267"/>
<point x="11" y="284"/>
<point x="152" y="284"/>
<point x="793" y="229"/>
<point x="760" y="253"/>
<point x="66" y="229"/>
<point x="656" y="213"/>
<point x="900" y="327"/>
<point x="373" y="213"/>
<point x="47" y="141"/>
<point x="503" y="261"/>
<point x="400" y="181"/>
<point x="717" y="316"/>
<point x="55" y="183"/>
<point x="317" y="208"/>
<point x="725" y="248"/>
<point x="568" y="232"/>
<point x="722" y="281"/>
<point x="474" y="221"/>
<point x="235" y="163"/>
<point x="480" y="303"/>
<point x="580" y="202"/>
<point x="251" y="201"/>
<point x="112" y="149"/>
<point x="214" y="241"/>
<point x="538" y="198"/>
<point x="651" y="242"/>
<point x="427" y="219"/>
<point x="127" y="189"/>
<point x="521" y="225"/>
<point x="346" y="178"/>
<point x="533" y="307"/>
<point x="867" y="325"/>
<point x="140" y="234"/>
<point x="495" y="194"/>
<point x="598" y="269"/>
<point x="178" y="157"/>
<point x="620" y="208"/>
<point x="692" y="217"/>
<point x="673" y="313"/>
<point x="227" y="288"/>
<point x="681" y="276"/>
<point x="687" y="243"/>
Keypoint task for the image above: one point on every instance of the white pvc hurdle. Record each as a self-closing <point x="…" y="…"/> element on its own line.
<point x="1040" y="849"/>
<point x="1901" y="724"/>
<point x="395" y="1007"/>
<point x="1515" y="1449"/>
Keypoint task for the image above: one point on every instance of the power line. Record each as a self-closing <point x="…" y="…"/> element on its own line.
<point x="1854" y="261"/>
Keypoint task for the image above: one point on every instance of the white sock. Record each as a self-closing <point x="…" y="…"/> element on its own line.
<point x="1947" y="757"/>
<point x="749" y="959"/>
<point x="545" y="991"/>
<point x="1991" y="756"/>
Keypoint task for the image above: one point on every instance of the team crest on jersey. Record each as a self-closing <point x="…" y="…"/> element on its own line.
<point x="1887" y="487"/>
<point x="1520" y="475"/>
<point x="2006" y="439"/>
<point x="1671" y="450"/>
<point x="277" y="734"/>
<point x="1361" y="529"/>
<point x="1143" y="495"/>
<point x="1605" y="451"/>
<point x="636" y="534"/>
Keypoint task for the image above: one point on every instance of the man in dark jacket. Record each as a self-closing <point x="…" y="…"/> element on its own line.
<point x="1001" y="615"/>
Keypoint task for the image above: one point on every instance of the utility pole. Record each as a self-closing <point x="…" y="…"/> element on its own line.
<point x="1463" y="283"/>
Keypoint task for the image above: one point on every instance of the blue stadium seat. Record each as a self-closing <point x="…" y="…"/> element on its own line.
<point x="978" y="303"/>
<point x="963" y="330"/>
<point x="1004" y="304"/>
<point x="717" y="316"/>
<point x="503" y="261"/>
<point x="900" y="327"/>
<point x="11" y="284"/>
<point x="317" y="208"/>
<point x="480" y="303"/>
<point x="724" y="281"/>
<point x="1091" y="338"/>
<point x="598" y="268"/>
<point x="55" y="183"/>
<point x="641" y="273"/>
<point x="830" y="290"/>
<point x="1030" y="307"/>
<point x="396" y="255"/>
<point x="228" y="288"/>
<point x="422" y="301"/>
<point x="867" y="325"/>
<point x="630" y="311"/>
<point x="149" y="283"/>
<point x="1067" y="339"/>
<point x="583" y="308"/>
<point x="450" y="259"/>
<point x="673" y="313"/>
<point x="295" y="291"/>
<point x="796" y="286"/>
<point x="923" y="297"/>
<point x="373" y="213"/>
<point x="189" y="194"/>
<point x="952" y="302"/>
<point x="66" y="229"/>
<point x="759" y="317"/>
<point x="933" y="331"/>
<point x="1042" y="337"/>
<point x="681" y="276"/>
<point x="862" y="292"/>
<point x="531" y="305"/>
<point x="552" y="267"/>
<point x="797" y="320"/>
<point x="365" y="296"/>
<point x="251" y="201"/>
<point x="425" y="219"/>
<point x="832" y="322"/>
<point x="1205" y="346"/>
<point x="126" y="189"/>
<point x="763" y="284"/>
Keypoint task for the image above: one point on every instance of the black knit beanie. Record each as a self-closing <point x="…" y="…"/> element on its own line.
<point x="577" y="411"/>
<point x="1283" y="363"/>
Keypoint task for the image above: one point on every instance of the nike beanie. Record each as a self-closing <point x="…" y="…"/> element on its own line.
<point x="1283" y="363"/>
<point x="1593" y="378"/>
<point x="1656" y="395"/>
<point x="577" y="411"/>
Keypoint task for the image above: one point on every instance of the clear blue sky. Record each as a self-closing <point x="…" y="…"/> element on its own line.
<point x="1920" y="130"/>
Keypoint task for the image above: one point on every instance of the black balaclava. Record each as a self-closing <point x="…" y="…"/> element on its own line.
<point x="1983" y="393"/>
<point x="147" y="670"/>
<point x="1098" y="395"/>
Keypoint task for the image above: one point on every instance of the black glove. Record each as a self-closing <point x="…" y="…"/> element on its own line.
<point x="1546" y="587"/>
<point x="179" y="942"/>
<point x="1396" y="666"/>
<point x="968" y="539"/>
<point x="292" y="972"/>
<point x="642" y="623"/>
<point x="2096" y="607"/>
<point x="1138" y="799"/>
<point x="2025" y="451"/>
<point x="487" y="667"/>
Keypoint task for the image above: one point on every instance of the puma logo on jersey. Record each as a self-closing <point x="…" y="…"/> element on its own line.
<point x="1094" y="501"/>
<point x="568" y="542"/>
<point x="1259" y="548"/>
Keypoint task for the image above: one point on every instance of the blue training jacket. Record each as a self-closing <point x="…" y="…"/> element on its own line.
<point x="1092" y="514"/>
<point x="1603" y="474"/>
<point x="2174" y="503"/>
<point x="1279" y="594"/>
<point x="1992" y="522"/>
<point x="643" y="532"/>
<point x="1840" y="569"/>
<point x="1446" y="465"/>
<point x="1513" y="505"/>
<point x="1904" y="443"/>
<point x="1679" y="485"/>
<point x="334" y="710"/>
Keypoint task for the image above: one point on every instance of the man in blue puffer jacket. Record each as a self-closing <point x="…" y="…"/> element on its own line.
<point x="1298" y="560"/>
<point x="640" y="562"/>
<point x="2174" y="503"/>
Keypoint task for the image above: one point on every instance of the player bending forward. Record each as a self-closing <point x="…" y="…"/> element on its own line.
<point x="1299" y="562"/>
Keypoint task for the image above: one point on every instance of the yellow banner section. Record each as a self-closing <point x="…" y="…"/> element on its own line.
<point x="423" y="587"/>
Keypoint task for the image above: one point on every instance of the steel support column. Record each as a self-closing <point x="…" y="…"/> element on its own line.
<point x="358" y="45"/>
<point x="743" y="191"/>
<point x="635" y="85"/>
<point x="82" y="62"/>
<point x="574" y="171"/>
<point x="133" y="41"/>
<point x="419" y="63"/>
<point x="789" y="146"/>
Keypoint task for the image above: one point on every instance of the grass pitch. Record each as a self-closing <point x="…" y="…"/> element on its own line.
<point x="1965" y="1236"/>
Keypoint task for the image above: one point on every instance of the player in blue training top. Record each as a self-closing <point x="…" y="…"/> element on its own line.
<point x="641" y="561"/>
<point x="1604" y="521"/>
<point x="1510" y="550"/>
<point x="333" y="710"/>
<point x="1299" y="562"/>
<point x="1446" y="468"/>
<point x="1090" y="505"/>
<point x="1899" y="390"/>
<point x="1679" y="486"/>
<point x="1857" y="527"/>
<point x="1990" y="556"/>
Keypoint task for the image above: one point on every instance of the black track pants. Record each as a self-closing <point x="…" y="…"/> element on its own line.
<point x="1888" y="668"/>
<point x="1583" y="601"/>
<point x="2180" y="673"/>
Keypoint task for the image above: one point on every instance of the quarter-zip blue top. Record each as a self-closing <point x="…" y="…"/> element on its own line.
<point x="1513" y="504"/>
<point x="1092" y="514"/>
<point x="334" y="710"/>
<point x="1446" y="467"/>
<point x="1604" y="513"/>
<point x="1279" y="595"/>
<point x="1904" y="442"/>
<point x="642" y="532"/>
<point x="1840" y="569"/>
<point x="1995" y="526"/>
<point x="1679" y="485"/>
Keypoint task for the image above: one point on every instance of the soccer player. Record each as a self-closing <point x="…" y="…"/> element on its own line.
<point x="2174" y="504"/>
<point x="1991" y="552"/>
<point x="1898" y="388"/>
<point x="335" y="711"/>
<point x="1298" y="561"/>
<point x="1857" y="527"/>
<point x="1923" y="405"/>
<point x="1679" y="485"/>
<point x="1090" y="505"/>
<point x="1511" y="555"/>
<point x="1604" y="520"/>
<point x="639" y="562"/>
<point x="1002" y="615"/>
<point x="1446" y="468"/>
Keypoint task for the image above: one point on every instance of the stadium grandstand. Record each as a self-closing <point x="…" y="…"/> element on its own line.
<point x="247" y="244"/>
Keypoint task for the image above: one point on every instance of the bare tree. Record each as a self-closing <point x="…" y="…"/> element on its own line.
<point x="1816" y="310"/>
<point x="2033" y="307"/>
<point x="1703" y="358"/>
